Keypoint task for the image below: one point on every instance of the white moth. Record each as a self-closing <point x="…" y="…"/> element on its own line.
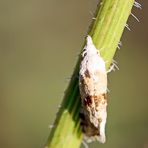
<point x="93" y="89"/>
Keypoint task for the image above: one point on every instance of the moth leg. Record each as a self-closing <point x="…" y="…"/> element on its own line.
<point x="113" y="67"/>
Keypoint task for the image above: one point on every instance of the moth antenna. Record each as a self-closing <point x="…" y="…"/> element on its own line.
<point x="135" y="17"/>
<point x="127" y="26"/>
<point x="137" y="5"/>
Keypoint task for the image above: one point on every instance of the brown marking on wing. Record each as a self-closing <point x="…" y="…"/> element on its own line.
<point x="88" y="101"/>
<point x="96" y="99"/>
<point x="91" y="103"/>
<point x="88" y="128"/>
<point x="87" y="73"/>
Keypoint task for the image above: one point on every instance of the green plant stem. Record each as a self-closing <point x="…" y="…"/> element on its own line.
<point x="106" y="31"/>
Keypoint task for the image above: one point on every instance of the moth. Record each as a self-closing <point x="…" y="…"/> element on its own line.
<point x="93" y="90"/>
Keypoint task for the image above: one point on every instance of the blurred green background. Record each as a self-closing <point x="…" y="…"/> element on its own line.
<point x="39" y="45"/>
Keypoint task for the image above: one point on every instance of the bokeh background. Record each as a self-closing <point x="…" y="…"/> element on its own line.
<point x="39" y="45"/>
